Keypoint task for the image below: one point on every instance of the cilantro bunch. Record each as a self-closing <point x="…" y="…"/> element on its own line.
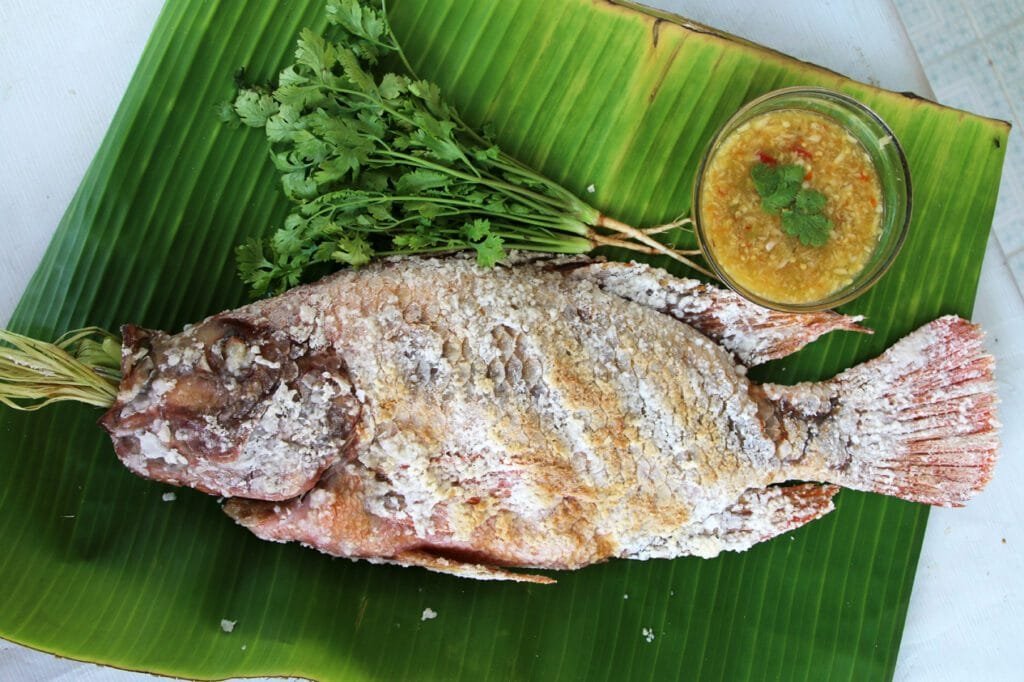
<point x="781" y="190"/>
<point x="378" y="163"/>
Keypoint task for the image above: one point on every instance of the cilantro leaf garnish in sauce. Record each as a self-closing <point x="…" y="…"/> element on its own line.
<point x="802" y="210"/>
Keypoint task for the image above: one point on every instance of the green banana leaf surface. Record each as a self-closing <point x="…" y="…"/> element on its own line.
<point x="97" y="567"/>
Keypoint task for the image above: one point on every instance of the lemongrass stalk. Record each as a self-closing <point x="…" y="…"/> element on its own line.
<point x="82" y="366"/>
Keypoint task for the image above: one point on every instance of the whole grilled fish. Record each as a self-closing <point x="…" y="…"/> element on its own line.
<point x="552" y="414"/>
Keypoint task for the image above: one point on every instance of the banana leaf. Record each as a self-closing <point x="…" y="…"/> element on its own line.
<point x="97" y="567"/>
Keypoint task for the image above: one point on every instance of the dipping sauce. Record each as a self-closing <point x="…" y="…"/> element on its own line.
<point x="748" y="241"/>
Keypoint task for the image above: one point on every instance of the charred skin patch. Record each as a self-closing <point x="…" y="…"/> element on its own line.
<point x="231" y="408"/>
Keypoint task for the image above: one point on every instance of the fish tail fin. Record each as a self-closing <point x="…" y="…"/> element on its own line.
<point x="918" y="422"/>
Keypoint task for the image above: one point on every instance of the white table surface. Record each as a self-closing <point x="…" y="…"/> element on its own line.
<point x="65" y="65"/>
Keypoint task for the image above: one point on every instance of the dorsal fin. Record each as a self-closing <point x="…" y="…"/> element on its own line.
<point x="753" y="333"/>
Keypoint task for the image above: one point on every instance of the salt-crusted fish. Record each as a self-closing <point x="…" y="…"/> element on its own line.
<point x="549" y="415"/>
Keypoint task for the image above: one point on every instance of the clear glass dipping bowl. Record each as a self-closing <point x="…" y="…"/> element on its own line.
<point x="885" y="153"/>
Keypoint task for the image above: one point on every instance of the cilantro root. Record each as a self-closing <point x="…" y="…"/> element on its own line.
<point x="378" y="163"/>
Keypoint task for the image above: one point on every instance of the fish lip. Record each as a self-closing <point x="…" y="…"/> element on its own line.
<point x="132" y="336"/>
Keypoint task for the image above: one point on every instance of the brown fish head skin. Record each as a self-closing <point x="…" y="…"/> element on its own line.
<point x="231" y="407"/>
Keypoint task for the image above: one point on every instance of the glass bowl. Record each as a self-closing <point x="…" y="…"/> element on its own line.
<point x="885" y="154"/>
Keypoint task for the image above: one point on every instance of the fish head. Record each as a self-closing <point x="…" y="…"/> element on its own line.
<point x="232" y="408"/>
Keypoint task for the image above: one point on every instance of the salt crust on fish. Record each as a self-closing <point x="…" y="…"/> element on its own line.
<point x="549" y="415"/>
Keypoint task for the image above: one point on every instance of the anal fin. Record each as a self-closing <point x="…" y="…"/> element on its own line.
<point x="764" y="513"/>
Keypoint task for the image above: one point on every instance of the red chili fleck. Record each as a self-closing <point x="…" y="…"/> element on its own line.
<point x="473" y="500"/>
<point x="809" y="175"/>
<point x="874" y="202"/>
<point x="864" y="176"/>
<point x="767" y="158"/>
<point x="800" y="151"/>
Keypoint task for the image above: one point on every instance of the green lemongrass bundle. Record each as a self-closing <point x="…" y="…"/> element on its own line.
<point x="379" y="164"/>
<point x="83" y="365"/>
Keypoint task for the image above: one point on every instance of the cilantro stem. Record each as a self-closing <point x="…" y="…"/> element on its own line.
<point x="396" y="46"/>
<point x="470" y="208"/>
<point x="510" y="165"/>
<point x="534" y="198"/>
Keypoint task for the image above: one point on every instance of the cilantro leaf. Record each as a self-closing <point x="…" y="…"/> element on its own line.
<point x="777" y="185"/>
<point x="781" y="191"/>
<point x="310" y="148"/>
<point x="477" y="230"/>
<point x="226" y="114"/>
<point x="357" y="76"/>
<point x="315" y="52"/>
<point x="781" y="198"/>
<point x="417" y="240"/>
<point x="487" y="154"/>
<point x="810" y="201"/>
<point x="352" y="250"/>
<point x="427" y="210"/>
<point x="363" y="22"/>
<point x="297" y="186"/>
<point x="766" y="179"/>
<point x="283" y="125"/>
<point x="431" y="96"/>
<point x="374" y="181"/>
<point x="253" y="266"/>
<point x="489" y="251"/>
<point x="288" y="239"/>
<point x="254" y="108"/>
<point x="792" y="173"/>
<point x="392" y="86"/>
<point x="812" y="229"/>
<point x="419" y="181"/>
<point x="336" y="167"/>
<point x="297" y="91"/>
